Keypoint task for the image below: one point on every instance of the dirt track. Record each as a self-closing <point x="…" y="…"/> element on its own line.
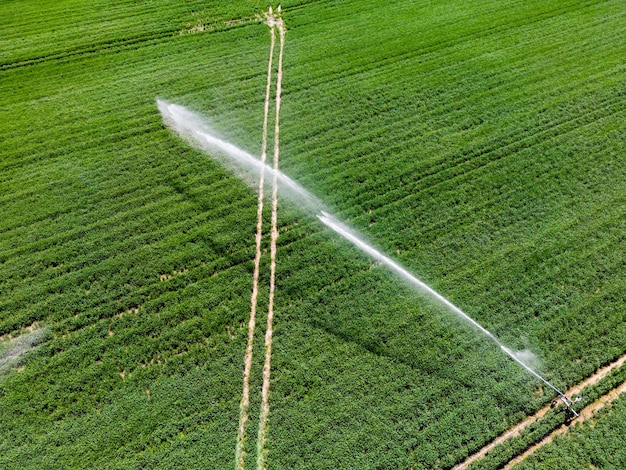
<point x="245" y="396"/>
<point x="265" y="407"/>
<point x="518" y="428"/>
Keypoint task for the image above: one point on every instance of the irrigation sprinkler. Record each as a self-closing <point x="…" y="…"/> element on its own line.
<point x="569" y="404"/>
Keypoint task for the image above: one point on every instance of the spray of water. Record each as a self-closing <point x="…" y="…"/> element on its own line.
<point x="191" y="127"/>
<point x="13" y="354"/>
<point x="352" y="237"/>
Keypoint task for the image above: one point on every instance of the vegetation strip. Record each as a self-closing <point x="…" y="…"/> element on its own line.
<point x="245" y="398"/>
<point x="274" y="22"/>
<point x="587" y="412"/>
<point x="573" y="391"/>
<point x="481" y="144"/>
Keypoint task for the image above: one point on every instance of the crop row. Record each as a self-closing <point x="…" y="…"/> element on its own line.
<point x="472" y="142"/>
<point x="118" y="28"/>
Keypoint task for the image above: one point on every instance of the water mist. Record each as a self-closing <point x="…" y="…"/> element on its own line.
<point x="191" y="127"/>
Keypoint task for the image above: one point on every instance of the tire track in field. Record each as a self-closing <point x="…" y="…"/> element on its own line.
<point x="119" y="44"/>
<point x="114" y="45"/>
<point x="449" y="172"/>
<point x="502" y="26"/>
<point x="585" y="414"/>
<point x="240" y="452"/>
<point x="274" y="23"/>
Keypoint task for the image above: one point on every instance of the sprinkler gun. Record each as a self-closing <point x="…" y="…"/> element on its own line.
<point x="569" y="404"/>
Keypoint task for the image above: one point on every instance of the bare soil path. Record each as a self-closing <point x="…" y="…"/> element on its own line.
<point x="518" y="428"/>
<point x="245" y="396"/>
<point x="265" y="407"/>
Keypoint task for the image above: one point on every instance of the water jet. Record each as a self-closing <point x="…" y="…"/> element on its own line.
<point x="191" y="127"/>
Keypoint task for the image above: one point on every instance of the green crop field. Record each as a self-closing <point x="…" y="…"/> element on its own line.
<point x="482" y="144"/>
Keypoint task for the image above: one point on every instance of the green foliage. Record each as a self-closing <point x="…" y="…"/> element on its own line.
<point x="479" y="143"/>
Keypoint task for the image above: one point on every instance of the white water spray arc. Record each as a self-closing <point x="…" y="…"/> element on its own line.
<point x="189" y="125"/>
<point x="349" y="235"/>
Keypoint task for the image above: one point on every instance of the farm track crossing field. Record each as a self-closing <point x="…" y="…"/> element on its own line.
<point x="479" y="143"/>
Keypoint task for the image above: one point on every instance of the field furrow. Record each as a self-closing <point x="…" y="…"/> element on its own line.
<point x="480" y="144"/>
